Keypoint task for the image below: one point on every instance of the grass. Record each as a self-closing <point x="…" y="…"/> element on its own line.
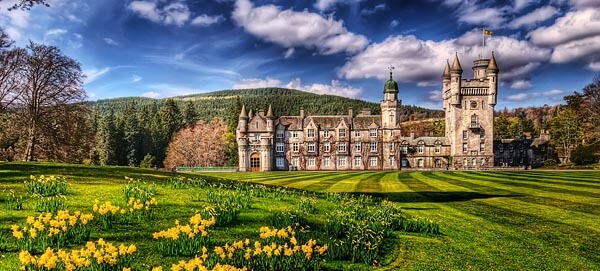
<point x="506" y="220"/>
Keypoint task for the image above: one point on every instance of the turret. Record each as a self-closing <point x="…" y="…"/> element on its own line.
<point x="250" y="114"/>
<point x="390" y="89"/>
<point x="270" y="119"/>
<point x="455" y="80"/>
<point x="390" y="105"/>
<point x="492" y="76"/>
<point x="243" y="120"/>
<point x="445" y="82"/>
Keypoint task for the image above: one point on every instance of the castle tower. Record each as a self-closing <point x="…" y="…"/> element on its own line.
<point x="242" y="139"/>
<point x="390" y="105"/>
<point x="469" y="108"/>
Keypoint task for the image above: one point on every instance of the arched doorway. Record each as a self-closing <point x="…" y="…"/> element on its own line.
<point x="255" y="162"/>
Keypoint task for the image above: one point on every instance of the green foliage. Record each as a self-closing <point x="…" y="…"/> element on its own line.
<point x="566" y="131"/>
<point x="49" y="204"/>
<point x="280" y="219"/>
<point x="148" y="162"/>
<point x="586" y="154"/>
<point x="14" y="201"/>
<point x="44" y="186"/>
<point x="550" y="162"/>
<point x="137" y="189"/>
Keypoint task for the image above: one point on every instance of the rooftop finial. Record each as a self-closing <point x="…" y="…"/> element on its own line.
<point x="391" y="68"/>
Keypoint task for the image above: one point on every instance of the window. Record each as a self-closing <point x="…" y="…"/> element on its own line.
<point x="438" y="148"/>
<point x="295" y="161"/>
<point x="521" y="148"/>
<point x="474" y="162"/>
<point x="465" y="134"/>
<point x="326" y="161"/>
<point x="465" y="148"/>
<point x="326" y="133"/>
<point x="420" y="163"/>
<point x="392" y="146"/>
<point x="295" y="147"/>
<point x="482" y="160"/>
<point x="356" y="133"/>
<point x="311" y="132"/>
<point x="510" y="148"/>
<point x="279" y="147"/>
<point x="404" y="149"/>
<point x="373" y="161"/>
<point x="501" y="147"/>
<point x="342" y="147"/>
<point x="342" y="161"/>
<point x="279" y="134"/>
<point x="326" y="147"/>
<point x="342" y="132"/>
<point x="373" y="146"/>
<point x="420" y="148"/>
<point x="481" y="133"/>
<point x="481" y="147"/>
<point x="465" y="164"/>
<point x="473" y="120"/>
<point x="294" y="134"/>
<point x="405" y="163"/>
<point x="373" y="132"/>
<point x="311" y="161"/>
<point x="279" y="162"/>
<point x="392" y="161"/>
<point x="357" y="146"/>
<point x="357" y="161"/>
<point x="311" y="146"/>
<point x="257" y="137"/>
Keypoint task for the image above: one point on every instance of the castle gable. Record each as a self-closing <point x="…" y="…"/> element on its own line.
<point x="366" y="122"/>
<point x="258" y="123"/>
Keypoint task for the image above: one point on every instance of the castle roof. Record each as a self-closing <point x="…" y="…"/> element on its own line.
<point x="492" y="66"/>
<point x="456" y="65"/>
<point x="365" y="122"/>
<point x="427" y="140"/>
<point x="390" y="85"/>
<point x="243" y="114"/>
<point x="270" y="112"/>
<point x="446" y="74"/>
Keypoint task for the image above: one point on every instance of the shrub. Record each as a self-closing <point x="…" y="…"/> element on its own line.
<point x="550" y="162"/>
<point x="148" y="162"/>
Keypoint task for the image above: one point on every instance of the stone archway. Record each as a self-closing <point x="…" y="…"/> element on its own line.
<point x="255" y="162"/>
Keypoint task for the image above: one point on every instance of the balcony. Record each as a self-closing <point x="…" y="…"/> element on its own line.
<point x="474" y="126"/>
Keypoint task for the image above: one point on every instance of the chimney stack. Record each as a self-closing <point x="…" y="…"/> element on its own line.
<point x="350" y="113"/>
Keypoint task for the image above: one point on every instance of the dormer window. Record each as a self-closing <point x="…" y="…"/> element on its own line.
<point x="311" y="132"/>
<point x="326" y="133"/>
<point x="294" y="134"/>
<point x="342" y="132"/>
<point x="373" y="132"/>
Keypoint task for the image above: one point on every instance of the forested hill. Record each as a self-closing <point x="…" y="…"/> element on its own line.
<point x="284" y="101"/>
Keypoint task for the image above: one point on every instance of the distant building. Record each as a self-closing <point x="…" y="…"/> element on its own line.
<point x="526" y="152"/>
<point x="373" y="142"/>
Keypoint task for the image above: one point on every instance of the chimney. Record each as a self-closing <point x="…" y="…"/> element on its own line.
<point x="302" y="112"/>
<point x="366" y="111"/>
<point x="350" y="113"/>
<point x="412" y="135"/>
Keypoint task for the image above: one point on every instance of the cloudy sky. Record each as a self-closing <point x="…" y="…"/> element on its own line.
<point x="162" y="48"/>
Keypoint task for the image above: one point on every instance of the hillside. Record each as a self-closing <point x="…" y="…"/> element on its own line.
<point x="284" y="101"/>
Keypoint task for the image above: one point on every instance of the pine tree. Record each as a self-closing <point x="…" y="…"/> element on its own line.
<point x="189" y="114"/>
<point x="132" y="137"/>
<point x="107" y="141"/>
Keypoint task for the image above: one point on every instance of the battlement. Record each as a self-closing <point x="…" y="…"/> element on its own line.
<point x="475" y="82"/>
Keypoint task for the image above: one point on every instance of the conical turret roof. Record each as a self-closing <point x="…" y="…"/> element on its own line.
<point x="243" y="114"/>
<point x="492" y="66"/>
<point x="270" y="112"/>
<point x="456" y="64"/>
<point x="446" y="73"/>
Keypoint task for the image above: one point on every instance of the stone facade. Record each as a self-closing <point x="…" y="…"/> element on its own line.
<point x="373" y="142"/>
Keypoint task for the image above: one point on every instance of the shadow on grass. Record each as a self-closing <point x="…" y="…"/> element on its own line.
<point x="435" y="196"/>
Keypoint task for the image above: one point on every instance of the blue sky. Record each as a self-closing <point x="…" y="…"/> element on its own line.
<point x="163" y="48"/>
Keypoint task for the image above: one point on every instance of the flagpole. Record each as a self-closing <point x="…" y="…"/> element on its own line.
<point x="483" y="47"/>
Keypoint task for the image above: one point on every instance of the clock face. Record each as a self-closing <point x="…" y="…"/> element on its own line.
<point x="473" y="105"/>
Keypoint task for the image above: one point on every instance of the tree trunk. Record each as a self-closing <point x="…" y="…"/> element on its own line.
<point x="31" y="140"/>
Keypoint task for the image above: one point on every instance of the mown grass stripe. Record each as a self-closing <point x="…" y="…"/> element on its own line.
<point x="390" y="183"/>
<point x="524" y="182"/>
<point x="554" y="180"/>
<point x="322" y="184"/>
<point x="370" y="184"/>
<point x="562" y="201"/>
<point x="293" y="177"/>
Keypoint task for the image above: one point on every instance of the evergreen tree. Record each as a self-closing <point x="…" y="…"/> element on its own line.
<point x="132" y="137"/>
<point x="107" y="141"/>
<point x="189" y="114"/>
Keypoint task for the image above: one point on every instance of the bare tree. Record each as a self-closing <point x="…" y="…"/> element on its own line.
<point x="50" y="80"/>
<point x="11" y="62"/>
<point x="28" y="4"/>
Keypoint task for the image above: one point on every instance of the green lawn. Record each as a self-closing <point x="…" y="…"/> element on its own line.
<point x="513" y="220"/>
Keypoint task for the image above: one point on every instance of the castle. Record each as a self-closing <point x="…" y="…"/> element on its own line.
<point x="374" y="142"/>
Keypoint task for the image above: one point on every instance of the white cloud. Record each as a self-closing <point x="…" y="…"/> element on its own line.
<point x="176" y="13"/>
<point x="574" y="25"/>
<point x="335" y="88"/>
<point x="520" y="4"/>
<point x="289" y="53"/>
<point x="373" y="10"/>
<point x="150" y="94"/>
<point x="521" y="84"/>
<point x="323" y="5"/>
<point x="110" y="41"/>
<point x="290" y="28"/>
<point x="422" y="61"/>
<point x="475" y="13"/>
<point x="136" y="78"/>
<point x="534" y="17"/>
<point x="594" y="66"/>
<point x="394" y="23"/>
<point x="577" y="49"/>
<point x="54" y="33"/>
<point x="554" y="95"/>
<point x="93" y="74"/>
<point x="206" y="20"/>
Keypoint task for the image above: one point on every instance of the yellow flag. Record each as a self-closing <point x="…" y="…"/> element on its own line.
<point x="487" y="32"/>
